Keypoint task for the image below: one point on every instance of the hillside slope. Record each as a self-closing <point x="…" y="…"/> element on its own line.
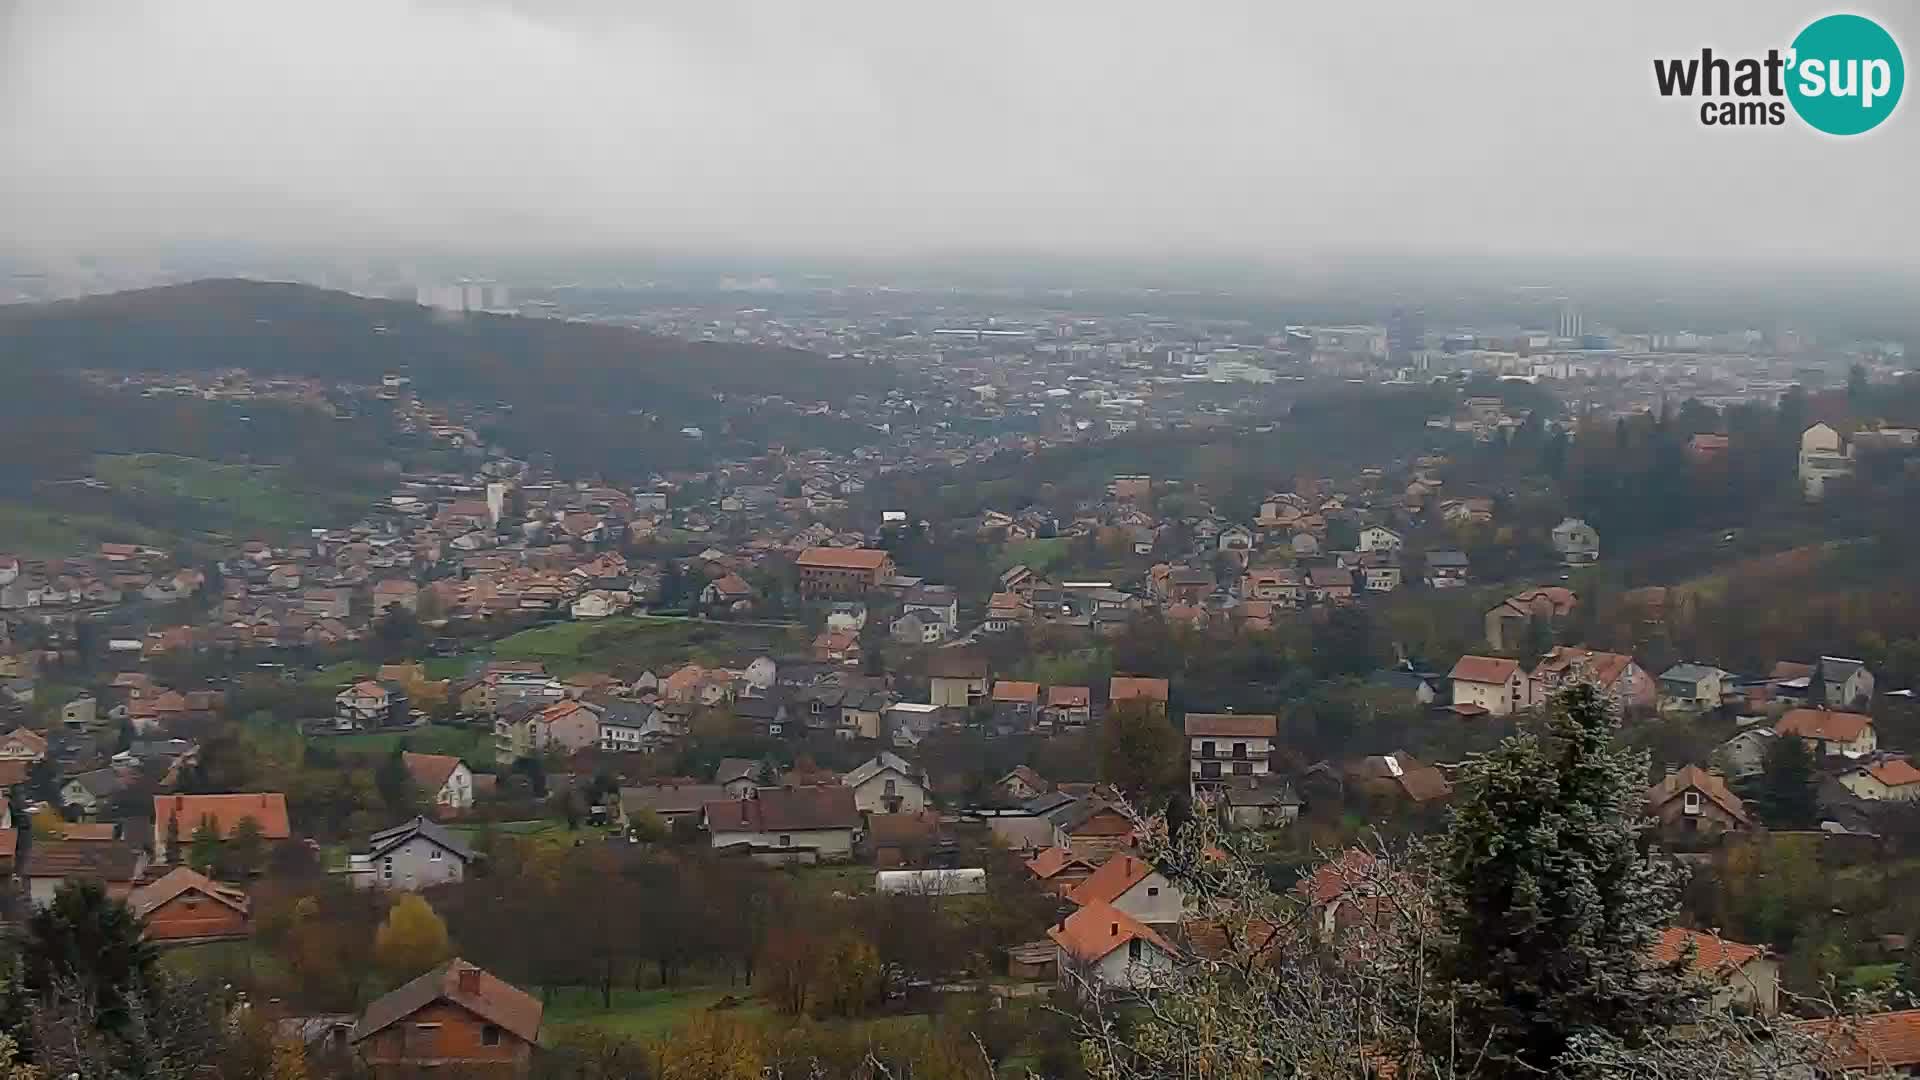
<point x="298" y="329"/>
<point x="597" y="399"/>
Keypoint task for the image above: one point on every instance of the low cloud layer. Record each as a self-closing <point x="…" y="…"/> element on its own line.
<point x="1245" y="128"/>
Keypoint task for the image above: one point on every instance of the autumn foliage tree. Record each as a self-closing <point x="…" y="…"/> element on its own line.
<point x="412" y="939"/>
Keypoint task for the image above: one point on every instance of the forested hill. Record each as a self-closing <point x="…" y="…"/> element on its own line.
<point x="297" y="329"/>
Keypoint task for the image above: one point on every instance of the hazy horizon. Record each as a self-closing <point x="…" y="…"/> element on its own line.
<point x="1231" y="131"/>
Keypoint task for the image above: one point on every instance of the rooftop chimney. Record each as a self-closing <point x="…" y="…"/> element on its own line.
<point x="468" y="978"/>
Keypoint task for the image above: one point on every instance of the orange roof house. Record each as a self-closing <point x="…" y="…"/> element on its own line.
<point x="182" y="814"/>
<point x="1125" y="687"/>
<point x="184" y="906"/>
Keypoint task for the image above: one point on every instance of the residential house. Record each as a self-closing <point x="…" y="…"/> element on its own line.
<point x="1102" y="949"/>
<point x="887" y="784"/>
<point x="1742" y="976"/>
<point x="1744" y="754"/>
<point x="939" y="602"/>
<point x="1405" y="686"/>
<point x="1398" y="777"/>
<point x="1510" y="623"/>
<point x="1691" y="805"/>
<point x="186" y="908"/>
<point x="1828" y="733"/>
<point x="917" y="628"/>
<point x="1622" y="680"/>
<point x="1131" y="885"/>
<point x="726" y="591"/>
<point x="177" y="817"/>
<point x="1824" y="457"/>
<point x="368" y="705"/>
<point x="842" y="571"/>
<point x="673" y="803"/>
<point x="1693" y="687"/>
<point x="1888" y="780"/>
<point x="1380" y="538"/>
<point x="1069" y="708"/>
<point x="817" y="820"/>
<point x="1875" y="1044"/>
<point x="1016" y="704"/>
<point x="768" y="717"/>
<point x="444" y="779"/>
<point x="1258" y="802"/>
<point x="23" y="744"/>
<point x="907" y="840"/>
<point x="1136" y="687"/>
<point x="395" y="592"/>
<point x="89" y="792"/>
<point x="566" y="726"/>
<point x="455" y="1018"/>
<point x="115" y="864"/>
<point x="630" y="727"/>
<point x="1446" y="569"/>
<point x="1228" y="744"/>
<point x="1005" y="610"/>
<point x="1490" y="684"/>
<point x="81" y="712"/>
<point x="737" y="778"/>
<point x="1577" y="542"/>
<point x="418" y="854"/>
<point x="957" y="678"/>
<point x="1090" y="827"/>
<point x="598" y="604"/>
<point x="1843" y="682"/>
<point x="1021" y="784"/>
<point x="1060" y="871"/>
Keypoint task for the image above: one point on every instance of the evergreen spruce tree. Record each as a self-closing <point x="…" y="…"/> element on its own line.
<point x="1550" y="902"/>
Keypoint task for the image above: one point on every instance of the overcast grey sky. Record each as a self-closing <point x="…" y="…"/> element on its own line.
<point x="1264" y="127"/>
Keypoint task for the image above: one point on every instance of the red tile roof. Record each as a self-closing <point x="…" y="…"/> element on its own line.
<point x="1089" y="934"/>
<point x="1052" y="861"/>
<point x="1111" y="881"/>
<point x="1895" y="773"/>
<point x="268" y="809"/>
<point x="1823" y="724"/>
<point x="1069" y="697"/>
<point x="465" y="985"/>
<point x="1014" y="690"/>
<point x="1483" y="669"/>
<point x="1122" y="687"/>
<point x="429" y="771"/>
<point x="823" y="558"/>
<point x="1712" y="955"/>
<point x="1712" y="787"/>
<point x="1880" y="1041"/>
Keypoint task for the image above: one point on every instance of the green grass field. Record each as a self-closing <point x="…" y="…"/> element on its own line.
<point x="234" y="496"/>
<point x="644" y="1012"/>
<point x="1041" y="555"/>
<point x="41" y="533"/>
<point x="633" y="643"/>
<point x="473" y="744"/>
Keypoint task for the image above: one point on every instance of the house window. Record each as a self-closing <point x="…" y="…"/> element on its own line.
<point x="1240" y="750"/>
<point x="386" y="868"/>
<point x="1206" y="749"/>
<point x="490" y="1035"/>
<point x="786" y="840"/>
<point x="1243" y="768"/>
<point x="434" y="856"/>
<point x="890" y="788"/>
<point x="1133" y="950"/>
<point x="1153" y="890"/>
<point x="1691" y="801"/>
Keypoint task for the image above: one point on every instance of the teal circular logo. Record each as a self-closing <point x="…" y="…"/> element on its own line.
<point x="1846" y="74"/>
